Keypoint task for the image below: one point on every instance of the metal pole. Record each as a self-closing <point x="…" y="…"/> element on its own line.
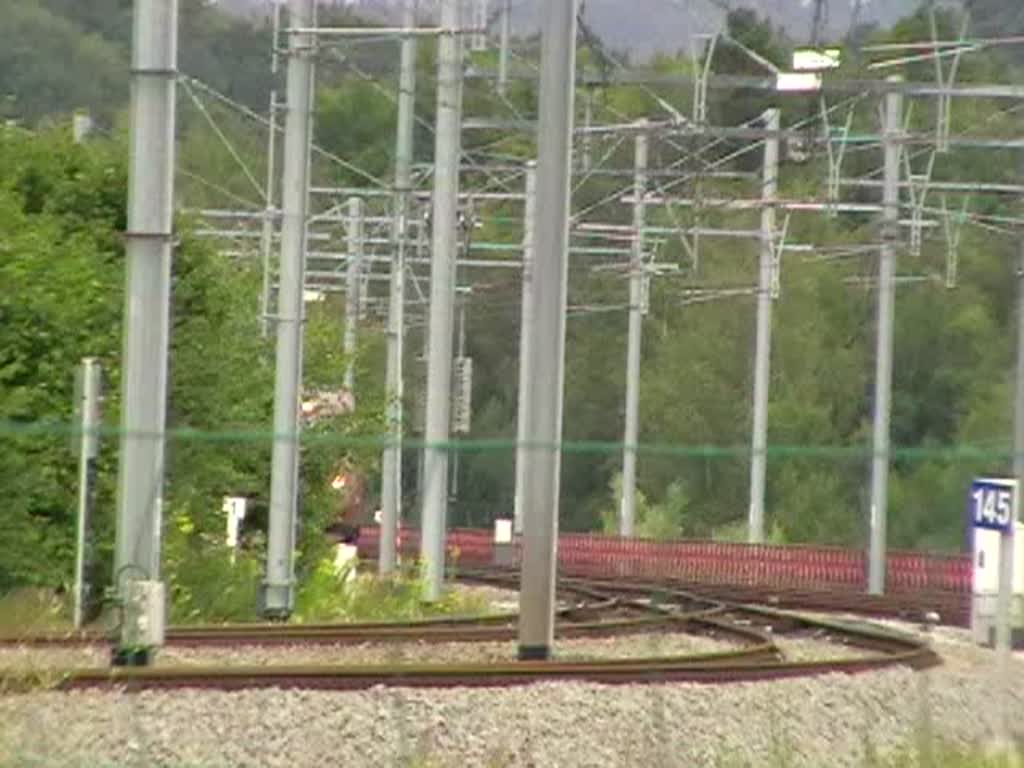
<point x="762" y="352"/>
<point x="88" y="450"/>
<point x="148" y="300"/>
<point x="547" y="353"/>
<point x="588" y="120"/>
<point x="818" y="23"/>
<point x="391" y="462"/>
<point x="269" y="212"/>
<point x="354" y="279"/>
<point x="884" y="350"/>
<point x="503" y="52"/>
<point x="421" y="456"/>
<point x="280" y="577"/>
<point x="525" y="342"/>
<point x="1004" y="638"/>
<point x="442" y="290"/>
<point x="453" y="491"/>
<point x="627" y="509"/>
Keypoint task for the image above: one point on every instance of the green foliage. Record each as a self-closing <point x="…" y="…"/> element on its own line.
<point x="332" y="595"/>
<point x="661" y="522"/>
<point x="62" y="286"/>
<point x="47" y="65"/>
<point x="62" y="208"/>
<point x="952" y="379"/>
<point x="354" y="121"/>
<point x="205" y="585"/>
<point x="61" y="55"/>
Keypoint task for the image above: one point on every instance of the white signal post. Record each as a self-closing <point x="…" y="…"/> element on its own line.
<point x="88" y="447"/>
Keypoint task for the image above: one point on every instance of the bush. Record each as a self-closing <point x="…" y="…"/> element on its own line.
<point x="330" y="595"/>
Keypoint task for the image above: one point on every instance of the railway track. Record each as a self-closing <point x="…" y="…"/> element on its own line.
<point x="589" y="609"/>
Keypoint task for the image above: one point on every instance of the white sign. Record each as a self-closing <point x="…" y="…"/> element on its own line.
<point x="234" y="508"/>
<point x="993" y="504"/>
<point x="502" y="531"/>
<point x="798" y="81"/>
<point x="813" y="60"/>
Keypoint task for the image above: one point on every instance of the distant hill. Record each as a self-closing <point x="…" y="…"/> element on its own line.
<point x="643" y="27"/>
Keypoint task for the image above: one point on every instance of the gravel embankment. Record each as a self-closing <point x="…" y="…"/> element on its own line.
<point x="809" y="722"/>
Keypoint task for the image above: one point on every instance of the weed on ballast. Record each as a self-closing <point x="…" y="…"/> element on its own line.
<point x="26" y="611"/>
<point x="333" y="594"/>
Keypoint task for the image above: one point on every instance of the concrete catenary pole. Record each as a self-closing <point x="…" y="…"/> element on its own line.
<point x="548" y="307"/>
<point x="503" y="51"/>
<point x="525" y="342"/>
<point x="1007" y="566"/>
<point x="391" y="461"/>
<point x="763" y="347"/>
<point x="442" y="291"/>
<point x="280" y="579"/>
<point x="884" y="350"/>
<point x="269" y="210"/>
<point x="148" y="298"/>
<point x="627" y="509"/>
<point x="353" y="296"/>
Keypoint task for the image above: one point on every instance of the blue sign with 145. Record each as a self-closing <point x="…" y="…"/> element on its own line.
<point x="993" y="504"/>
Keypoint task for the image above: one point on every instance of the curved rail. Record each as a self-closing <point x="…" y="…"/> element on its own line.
<point x="752" y="628"/>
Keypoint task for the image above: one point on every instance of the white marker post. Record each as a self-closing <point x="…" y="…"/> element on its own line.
<point x="88" y="387"/>
<point x="994" y="506"/>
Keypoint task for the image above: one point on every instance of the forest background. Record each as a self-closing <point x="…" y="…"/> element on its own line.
<point x="62" y="209"/>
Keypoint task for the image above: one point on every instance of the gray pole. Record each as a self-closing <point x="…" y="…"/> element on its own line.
<point x="884" y="351"/>
<point x="148" y="299"/>
<point x="547" y="353"/>
<point x="453" y="491"/>
<point x="1018" y="424"/>
<point x="442" y="290"/>
<point x="525" y="342"/>
<point x="503" y="51"/>
<point x="269" y="213"/>
<point x="280" y="577"/>
<point x="89" y="405"/>
<point x="391" y="462"/>
<point x="352" y="297"/>
<point x="627" y="510"/>
<point x="762" y="353"/>
<point x="588" y="120"/>
<point x="1006" y="542"/>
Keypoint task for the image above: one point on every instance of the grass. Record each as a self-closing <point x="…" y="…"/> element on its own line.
<point x="332" y="596"/>
<point x="206" y="587"/>
<point x="782" y="755"/>
<point x="31" y="610"/>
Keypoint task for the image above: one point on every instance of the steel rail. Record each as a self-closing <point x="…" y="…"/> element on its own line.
<point x="669" y="607"/>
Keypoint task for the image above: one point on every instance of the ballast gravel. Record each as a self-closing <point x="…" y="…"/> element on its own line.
<point x="827" y="721"/>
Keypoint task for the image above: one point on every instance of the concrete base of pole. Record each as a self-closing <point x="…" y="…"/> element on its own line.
<point x="277" y="601"/>
<point x="132" y="657"/>
<point x="534" y="652"/>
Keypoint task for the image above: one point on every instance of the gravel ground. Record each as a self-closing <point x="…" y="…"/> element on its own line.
<point x="498" y="598"/>
<point x="821" y="722"/>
